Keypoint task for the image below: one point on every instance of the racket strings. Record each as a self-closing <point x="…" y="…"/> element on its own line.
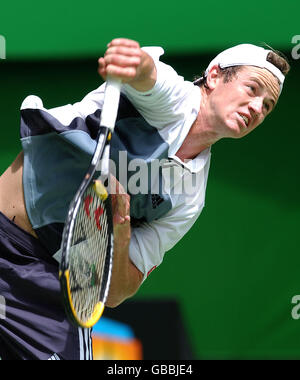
<point x="88" y="254"/>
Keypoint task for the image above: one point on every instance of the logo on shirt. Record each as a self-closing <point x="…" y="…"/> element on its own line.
<point x="156" y="200"/>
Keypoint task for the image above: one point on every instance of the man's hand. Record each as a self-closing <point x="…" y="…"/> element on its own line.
<point x="121" y="213"/>
<point x="124" y="59"/>
<point x="121" y="60"/>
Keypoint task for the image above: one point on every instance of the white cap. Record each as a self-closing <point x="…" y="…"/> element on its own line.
<point x="246" y="55"/>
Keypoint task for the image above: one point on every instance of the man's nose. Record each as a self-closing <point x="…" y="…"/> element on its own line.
<point x="256" y="105"/>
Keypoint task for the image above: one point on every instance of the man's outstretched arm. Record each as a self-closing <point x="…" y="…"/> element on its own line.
<point x="125" y="59"/>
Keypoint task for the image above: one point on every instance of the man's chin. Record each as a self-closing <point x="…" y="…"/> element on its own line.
<point x="235" y="130"/>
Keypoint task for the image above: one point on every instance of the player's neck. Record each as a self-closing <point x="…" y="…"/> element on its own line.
<point x="200" y="137"/>
<point x="190" y="148"/>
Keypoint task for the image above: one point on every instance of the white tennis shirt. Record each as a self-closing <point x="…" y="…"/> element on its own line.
<point x="172" y="106"/>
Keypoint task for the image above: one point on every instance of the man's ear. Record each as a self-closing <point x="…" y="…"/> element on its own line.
<point x="213" y="77"/>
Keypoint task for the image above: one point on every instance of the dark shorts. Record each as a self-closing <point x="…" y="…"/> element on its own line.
<point x="33" y="325"/>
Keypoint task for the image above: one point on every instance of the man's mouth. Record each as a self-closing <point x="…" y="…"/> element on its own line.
<point x="245" y="119"/>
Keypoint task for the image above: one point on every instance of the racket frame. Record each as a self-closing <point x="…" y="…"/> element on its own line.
<point x="107" y="124"/>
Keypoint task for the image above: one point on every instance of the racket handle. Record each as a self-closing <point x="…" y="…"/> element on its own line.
<point x="111" y="103"/>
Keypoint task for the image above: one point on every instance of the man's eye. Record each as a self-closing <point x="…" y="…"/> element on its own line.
<point x="267" y="107"/>
<point x="252" y="88"/>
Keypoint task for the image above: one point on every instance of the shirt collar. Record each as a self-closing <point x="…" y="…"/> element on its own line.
<point x="196" y="164"/>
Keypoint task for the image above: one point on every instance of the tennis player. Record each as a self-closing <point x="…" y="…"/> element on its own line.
<point x="162" y="119"/>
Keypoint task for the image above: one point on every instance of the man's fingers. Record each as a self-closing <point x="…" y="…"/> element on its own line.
<point x="124" y="42"/>
<point x="123" y="50"/>
<point x="121" y="60"/>
<point x="120" y="220"/>
<point x="125" y="73"/>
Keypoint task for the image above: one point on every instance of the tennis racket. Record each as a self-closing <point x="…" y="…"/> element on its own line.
<point x="87" y="241"/>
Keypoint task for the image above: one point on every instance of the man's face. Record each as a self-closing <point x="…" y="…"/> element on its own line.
<point x="239" y="106"/>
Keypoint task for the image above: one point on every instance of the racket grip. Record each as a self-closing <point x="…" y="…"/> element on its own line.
<point x="111" y="103"/>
